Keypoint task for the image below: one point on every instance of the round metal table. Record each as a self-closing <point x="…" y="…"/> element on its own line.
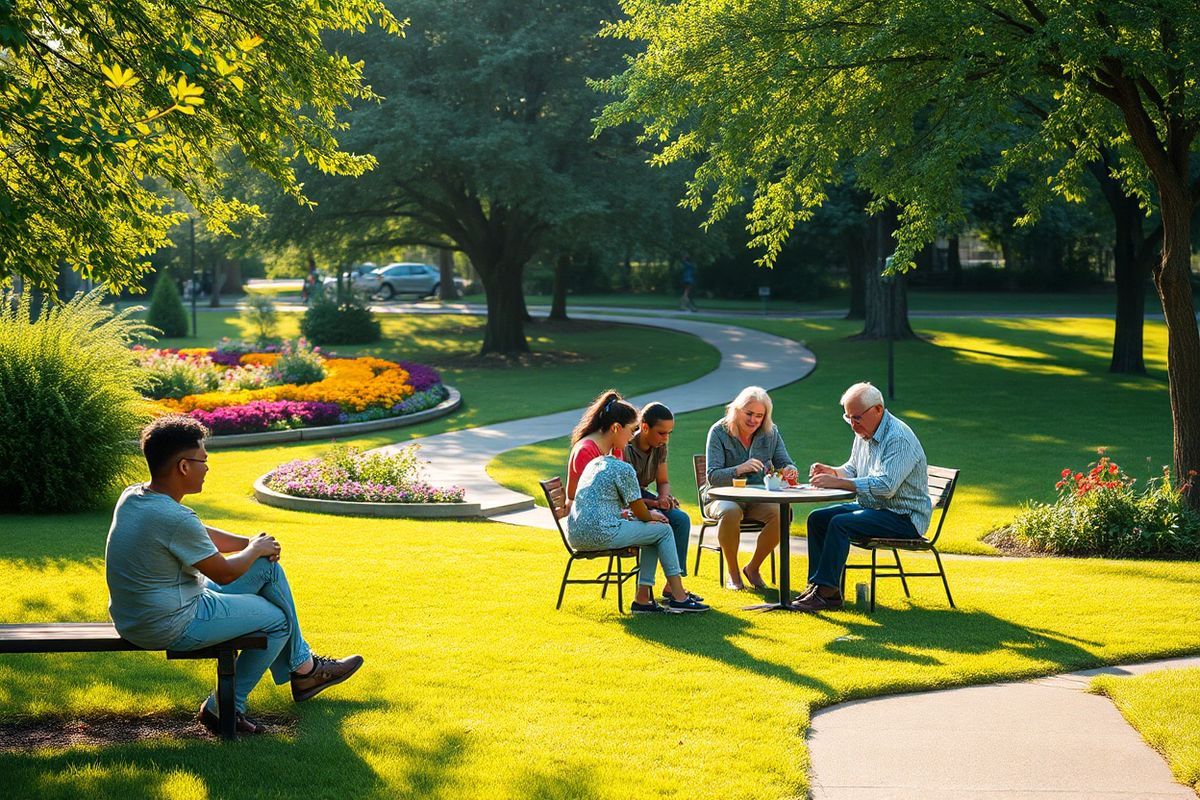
<point x="784" y="497"/>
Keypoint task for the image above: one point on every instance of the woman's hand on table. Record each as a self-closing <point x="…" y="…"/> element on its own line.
<point x="748" y="466"/>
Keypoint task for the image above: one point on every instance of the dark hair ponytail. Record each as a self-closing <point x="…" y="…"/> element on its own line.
<point x="654" y="413"/>
<point x="607" y="408"/>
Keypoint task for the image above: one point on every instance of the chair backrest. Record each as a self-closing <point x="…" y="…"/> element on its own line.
<point x="556" y="498"/>
<point x="942" y="481"/>
<point x="700" y="466"/>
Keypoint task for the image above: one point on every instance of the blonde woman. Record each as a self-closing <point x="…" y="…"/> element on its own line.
<point x="746" y="444"/>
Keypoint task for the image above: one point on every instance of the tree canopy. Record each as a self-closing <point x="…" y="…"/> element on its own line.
<point x="778" y="97"/>
<point x="98" y="98"/>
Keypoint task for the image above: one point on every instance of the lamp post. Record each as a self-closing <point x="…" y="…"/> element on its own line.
<point x="195" y="283"/>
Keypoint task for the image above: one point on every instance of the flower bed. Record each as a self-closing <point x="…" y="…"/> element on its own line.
<point x="233" y="389"/>
<point x="346" y="473"/>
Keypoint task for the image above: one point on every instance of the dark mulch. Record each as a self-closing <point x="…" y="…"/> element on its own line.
<point x="56" y="732"/>
<point x="544" y="358"/>
<point x="1003" y="540"/>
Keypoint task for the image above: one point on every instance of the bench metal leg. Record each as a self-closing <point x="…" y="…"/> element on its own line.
<point x="900" y="569"/>
<point x="226" y="678"/>
<point x="945" y="582"/>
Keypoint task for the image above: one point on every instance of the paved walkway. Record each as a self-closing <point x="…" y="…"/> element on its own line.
<point x="1039" y="739"/>
<point x="747" y="358"/>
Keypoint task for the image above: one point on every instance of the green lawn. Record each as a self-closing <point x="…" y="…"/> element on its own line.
<point x="475" y="686"/>
<point x="1165" y="708"/>
<point x="1010" y="402"/>
<point x="1100" y="301"/>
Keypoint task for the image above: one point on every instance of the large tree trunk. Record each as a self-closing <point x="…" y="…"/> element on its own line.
<point x="1172" y="279"/>
<point x="505" y="330"/>
<point x="447" y="290"/>
<point x="558" y="303"/>
<point x="954" y="263"/>
<point x="886" y="299"/>
<point x="1131" y="260"/>
<point x="859" y="246"/>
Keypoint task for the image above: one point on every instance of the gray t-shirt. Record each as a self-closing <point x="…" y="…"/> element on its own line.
<point x="645" y="463"/>
<point x="152" y="585"/>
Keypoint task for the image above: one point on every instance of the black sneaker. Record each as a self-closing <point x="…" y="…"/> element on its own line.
<point x="691" y="605"/>
<point x="666" y="595"/>
<point x="646" y="608"/>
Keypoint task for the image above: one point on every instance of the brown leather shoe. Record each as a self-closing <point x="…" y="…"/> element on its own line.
<point x="325" y="673"/>
<point x="815" y="602"/>
<point x="244" y="724"/>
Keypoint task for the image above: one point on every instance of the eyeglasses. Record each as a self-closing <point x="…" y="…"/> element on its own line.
<point x="201" y="460"/>
<point x="855" y="419"/>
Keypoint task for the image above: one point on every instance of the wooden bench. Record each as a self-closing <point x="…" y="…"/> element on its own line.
<point x="102" y="637"/>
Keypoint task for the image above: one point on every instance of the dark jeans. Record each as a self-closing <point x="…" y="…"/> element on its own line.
<point x="831" y="529"/>
<point x="681" y="526"/>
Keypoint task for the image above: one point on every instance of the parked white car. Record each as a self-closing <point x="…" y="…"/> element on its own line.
<point x="364" y="280"/>
<point x="422" y="280"/>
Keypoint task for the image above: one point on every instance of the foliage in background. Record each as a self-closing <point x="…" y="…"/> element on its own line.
<point x="347" y="473"/>
<point x="349" y="322"/>
<point x="94" y="99"/>
<point x="300" y="363"/>
<point x="70" y="411"/>
<point x="166" y="373"/>
<point x="1100" y="513"/>
<point x="262" y="316"/>
<point x="166" y="310"/>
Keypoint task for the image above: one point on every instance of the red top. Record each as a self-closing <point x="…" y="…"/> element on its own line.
<point x="584" y="452"/>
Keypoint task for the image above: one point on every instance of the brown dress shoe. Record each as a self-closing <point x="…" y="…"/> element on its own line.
<point x="325" y="673"/>
<point x="815" y="602"/>
<point x="243" y="723"/>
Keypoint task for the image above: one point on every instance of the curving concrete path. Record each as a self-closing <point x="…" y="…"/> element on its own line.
<point x="1046" y="738"/>
<point x="747" y="358"/>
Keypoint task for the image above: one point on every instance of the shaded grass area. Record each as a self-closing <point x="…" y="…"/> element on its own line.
<point x="1164" y="707"/>
<point x="1010" y="402"/>
<point x="475" y="686"/>
<point x="1101" y="301"/>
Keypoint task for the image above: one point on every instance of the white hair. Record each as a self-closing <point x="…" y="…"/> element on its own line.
<point x="751" y="394"/>
<point x="864" y="392"/>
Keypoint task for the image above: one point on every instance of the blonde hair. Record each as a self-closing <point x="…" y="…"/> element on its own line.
<point x="751" y="394"/>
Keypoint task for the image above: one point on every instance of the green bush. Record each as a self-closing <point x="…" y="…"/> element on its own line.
<point x="166" y="309"/>
<point x="70" y="408"/>
<point x="261" y="314"/>
<point x="170" y="375"/>
<point x="348" y="322"/>
<point x="1100" y="513"/>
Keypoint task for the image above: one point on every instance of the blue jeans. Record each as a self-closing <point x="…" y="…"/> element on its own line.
<point x="654" y="539"/>
<point x="831" y="529"/>
<point x="258" y="602"/>
<point x="681" y="526"/>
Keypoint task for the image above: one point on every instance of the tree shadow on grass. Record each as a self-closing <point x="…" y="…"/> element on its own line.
<point x="915" y="635"/>
<point x="320" y="760"/>
<point x="710" y="635"/>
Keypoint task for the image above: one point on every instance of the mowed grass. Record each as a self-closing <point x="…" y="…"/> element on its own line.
<point x="475" y="686"/>
<point x="1165" y="708"/>
<point x="1010" y="402"/>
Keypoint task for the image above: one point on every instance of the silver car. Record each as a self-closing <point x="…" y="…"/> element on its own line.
<point x="364" y="280"/>
<point x="405" y="278"/>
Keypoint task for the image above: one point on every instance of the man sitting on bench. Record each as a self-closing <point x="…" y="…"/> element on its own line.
<point x="171" y="586"/>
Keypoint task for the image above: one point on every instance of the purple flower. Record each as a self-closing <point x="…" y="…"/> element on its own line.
<point x="264" y="415"/>
<point x="420" y="376"/>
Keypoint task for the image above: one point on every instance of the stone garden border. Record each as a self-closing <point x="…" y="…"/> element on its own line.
<point x="451" y="403"/>
<point x="352" y="508"/>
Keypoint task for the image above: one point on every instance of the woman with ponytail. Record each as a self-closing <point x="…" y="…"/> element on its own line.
<point x="607" y="509"/>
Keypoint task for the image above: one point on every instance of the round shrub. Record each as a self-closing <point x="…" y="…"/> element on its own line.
<point x="349" y="322"/>
<point x="70" y="407"/>
<point x="166" y="309"/>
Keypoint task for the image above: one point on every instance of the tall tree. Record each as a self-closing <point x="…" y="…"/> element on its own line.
<point x="779" y="95"/>
<point x="95" y="97"/>
<point x="484" y="140"/>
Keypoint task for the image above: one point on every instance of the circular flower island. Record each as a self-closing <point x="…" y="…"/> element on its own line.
<point x="346" y="480"/>
<point x="248" y="395"/>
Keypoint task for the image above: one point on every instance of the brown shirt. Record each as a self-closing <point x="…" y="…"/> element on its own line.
<point x="645" y="462"/>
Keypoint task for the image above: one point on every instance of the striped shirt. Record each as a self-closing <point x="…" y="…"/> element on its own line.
<point x="889" y="472"/>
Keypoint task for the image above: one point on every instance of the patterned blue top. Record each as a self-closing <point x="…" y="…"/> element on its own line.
<point x="889" y="472"/>
<point x="606" y="486"/>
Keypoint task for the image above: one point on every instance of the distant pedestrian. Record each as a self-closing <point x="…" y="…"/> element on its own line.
<point x="686" y="303"/>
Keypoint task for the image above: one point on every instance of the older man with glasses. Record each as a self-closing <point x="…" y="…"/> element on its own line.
<point x="887" y="470"/>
